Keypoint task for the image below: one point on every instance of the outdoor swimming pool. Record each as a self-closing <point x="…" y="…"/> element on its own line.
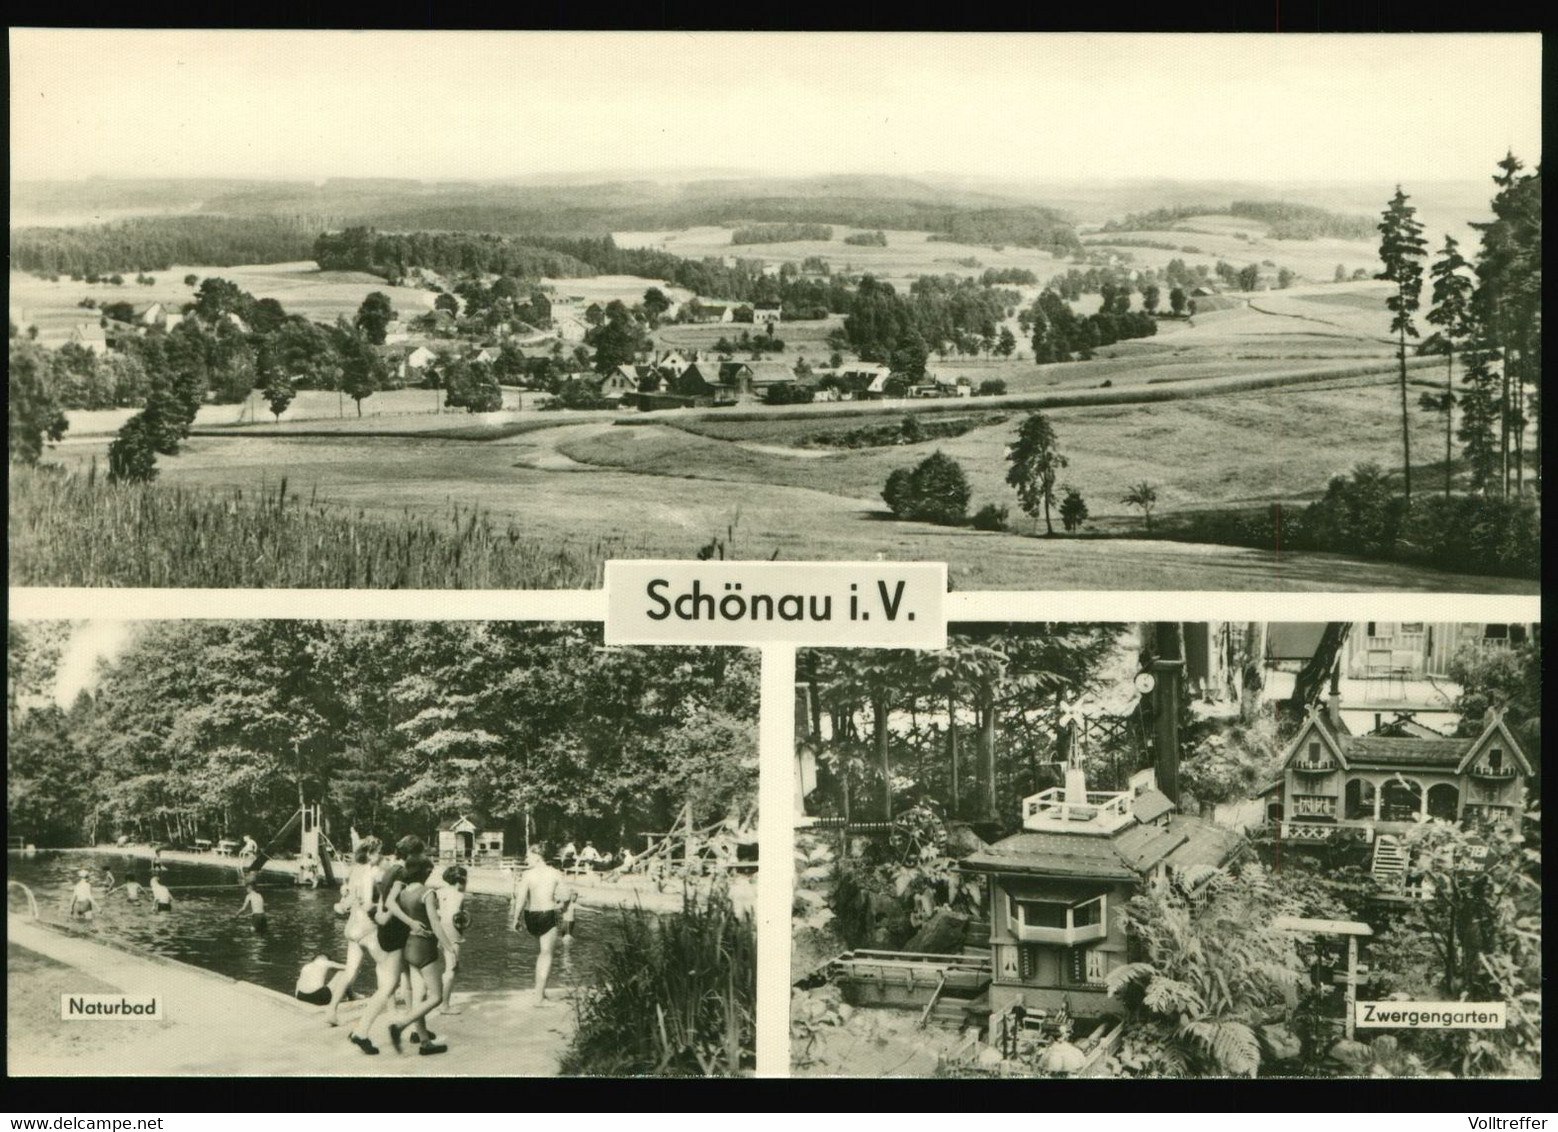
<point x="204" y="929"/>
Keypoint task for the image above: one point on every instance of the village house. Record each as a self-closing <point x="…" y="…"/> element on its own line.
<point x="1373" y="788"/>
<point x="157" y="316"/>
<point x="1058" y="888"/>
<point x="863" y="382"/>
<point x="703" y="383"/>
<point x="698" y="310"/>
<point x="486" y="355"/>
<point x="90" y="336"/>
<point x="766" y="317"/>
<point x="626" y="382"/>
<point x="395" y="332"/>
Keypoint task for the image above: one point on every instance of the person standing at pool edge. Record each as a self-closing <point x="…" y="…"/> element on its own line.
<point x="538" y="892"/>
<point x="451" y="908"/>
<point x="361" y="931"/>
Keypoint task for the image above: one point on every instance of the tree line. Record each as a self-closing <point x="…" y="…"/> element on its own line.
<point x="155" y="243"/>
<point x="221" y="728"/>
<point x="1489" y="312"/>
<point x="885" y="326"/>
<point x="394" y="255"/>
<point x="780" y="233"/>
<point x="1286" y="220"/>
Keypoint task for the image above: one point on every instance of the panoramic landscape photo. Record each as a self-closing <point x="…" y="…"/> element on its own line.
<point x="821" y="300"/>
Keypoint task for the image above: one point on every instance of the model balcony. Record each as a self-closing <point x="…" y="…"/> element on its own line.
<point x="1091" y="812"/>
<point x="1497" y="773"/>
<point x="1058" y="922"/>
<point x="1314" y="806"/>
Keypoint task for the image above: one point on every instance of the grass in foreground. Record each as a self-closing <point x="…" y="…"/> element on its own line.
<point x="75" y="530"/>
<point x="674" y="995"/>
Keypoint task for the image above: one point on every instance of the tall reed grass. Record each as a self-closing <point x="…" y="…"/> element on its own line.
<point x="78" y="530"/>
<point x="674" y="995"/>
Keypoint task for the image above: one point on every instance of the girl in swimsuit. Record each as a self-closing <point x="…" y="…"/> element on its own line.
<point x="451" y="908"/>
<point x="422" y="955"/>
<point x="360" y="928"/>
<point x="394" y="927"/>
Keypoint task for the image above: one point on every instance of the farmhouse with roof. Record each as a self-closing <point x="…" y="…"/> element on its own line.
<point x="766" y="316"/>
<point x="1058" y="888"/>
<point x="90" y="336"/>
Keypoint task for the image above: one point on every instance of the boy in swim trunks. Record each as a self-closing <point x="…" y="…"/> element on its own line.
<point x="539" y="897"/>
<point x="254" y="904"/>
<point x="82" y="902"/>
<point x="314" y="981"/>
<point x="162" y="899"/>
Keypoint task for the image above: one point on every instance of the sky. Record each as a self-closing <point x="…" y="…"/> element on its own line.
<point x="487" y="105"/>
<point x="90" y="642"/>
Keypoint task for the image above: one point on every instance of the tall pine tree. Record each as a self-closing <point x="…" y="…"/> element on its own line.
<point x="1509" y="273"/>
<point x="1451" y="313"/>
<point x="1401" y="246"/>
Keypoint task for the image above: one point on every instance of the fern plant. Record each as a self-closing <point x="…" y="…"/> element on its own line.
<point x="1212" y="969"/>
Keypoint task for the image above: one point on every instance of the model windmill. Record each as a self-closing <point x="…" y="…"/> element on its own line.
<point x="1073" y="727"/>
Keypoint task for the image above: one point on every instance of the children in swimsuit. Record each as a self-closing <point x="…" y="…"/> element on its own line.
<point x="420" y="949"/>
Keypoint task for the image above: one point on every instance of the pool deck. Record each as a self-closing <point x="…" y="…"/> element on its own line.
<point x="217" y="1026"/>
<point x="594" y="891"/>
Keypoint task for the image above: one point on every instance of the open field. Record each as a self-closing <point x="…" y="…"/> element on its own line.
<point x="603" y="289"/>
<point x="1239" y="240"/>
<point x="583" y="486"/>
<point x="906" y="255"/>
<point x="1252" y="448"/>
<point x="299" y="287"/>
<point x="414" y="410"/>
<point x="808" y="337"/>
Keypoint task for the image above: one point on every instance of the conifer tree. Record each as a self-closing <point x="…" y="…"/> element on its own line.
<point x="1401" y="246"/>
<point x="1451" y="313"/>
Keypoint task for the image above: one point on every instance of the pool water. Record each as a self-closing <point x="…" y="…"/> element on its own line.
<point x="205" y="929"/>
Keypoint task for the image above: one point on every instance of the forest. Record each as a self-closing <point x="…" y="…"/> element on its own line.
<point x="393" y="255"/>
<point x="212" y="728"/>
<point x="884" y="325"/>
<point x="155" y="243"/>
<point x="1287" y="220"/>
<point x="780" y="233"/>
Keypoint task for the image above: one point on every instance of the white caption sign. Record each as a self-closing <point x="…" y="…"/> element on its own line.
<point x="861" y="604"/>
<point x="110" y="1007"/>
<point x="1431" y="1015"/>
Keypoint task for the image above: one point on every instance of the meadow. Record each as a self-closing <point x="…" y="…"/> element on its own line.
<point x="567" y="490"/>
<point x="300" y="287"/>
<point x="76" y="530"/>
<point x="906" y="255"/>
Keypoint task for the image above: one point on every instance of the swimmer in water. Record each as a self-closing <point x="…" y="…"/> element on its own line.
<point x="162" y="899"/>
<point x="82" y="902"/>
<point x="254" y="904"/>
<point x="132" y="890"/>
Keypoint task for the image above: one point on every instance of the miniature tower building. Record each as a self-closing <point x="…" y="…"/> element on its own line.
<point x="1059" y="886"/>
